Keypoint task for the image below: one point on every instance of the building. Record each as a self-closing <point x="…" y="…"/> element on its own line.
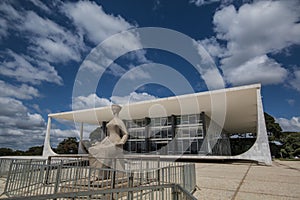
<point x="193" y="126"/>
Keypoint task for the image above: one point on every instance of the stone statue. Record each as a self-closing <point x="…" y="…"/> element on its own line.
<point x="105" y="154"/>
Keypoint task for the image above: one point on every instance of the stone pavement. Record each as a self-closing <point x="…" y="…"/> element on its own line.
<point x="248" y="180"/>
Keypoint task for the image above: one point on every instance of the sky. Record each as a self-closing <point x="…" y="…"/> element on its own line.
<point x="46" y="45"/>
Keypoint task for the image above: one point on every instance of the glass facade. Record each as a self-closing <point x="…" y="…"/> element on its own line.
<point x="165" y="135"/>
<point x="189" y="134"/>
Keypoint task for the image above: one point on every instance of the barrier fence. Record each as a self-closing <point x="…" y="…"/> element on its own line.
<point x="4" y="166"/>
<point x="138" y="179"/>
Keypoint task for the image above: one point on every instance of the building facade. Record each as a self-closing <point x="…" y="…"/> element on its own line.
<point x="195" y="126"/>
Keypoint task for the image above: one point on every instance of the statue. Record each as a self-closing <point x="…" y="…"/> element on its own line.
<point x="105" y="154"/>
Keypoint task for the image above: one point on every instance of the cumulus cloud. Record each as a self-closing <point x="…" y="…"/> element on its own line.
<point x="91" y="20"/>
<point x="90" y="101"/>
<point x="22" y="129"/>
<point x="93" y="23"/>
<point x="3" y="29"/>
<point x="40" y="5"/>
<point x="93" y="101"/>
<point x="48" y="40"/>
<point x="203" y="2"/>
<point x="292" y="124"/>
<point x="295" y="82"/>
<point x="51" y="42"/>
<point x="132" y="97"/>
<point x="23" y="91"/>
<point x="251" y="33"/>
<point x="57" y="135"/>
<point x="25" y="69"/>
<point x="261" y="69"/>
<point x="14" y="114"/>
<point x="213" y="47"/>
<point x="16" y="120"/>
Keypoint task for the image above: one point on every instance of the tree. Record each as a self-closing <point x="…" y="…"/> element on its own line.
<point x="68" y="146"/>
<point x="273" y="128"/>
<point x="6" y="152"/>
<point x="34" y="151"/>
<point x="291" y="147"/>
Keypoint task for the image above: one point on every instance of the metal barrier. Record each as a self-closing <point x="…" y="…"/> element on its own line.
<point x="139" y="179"/>
<point x="4" y="166"/>
<point x="163" y="192"/>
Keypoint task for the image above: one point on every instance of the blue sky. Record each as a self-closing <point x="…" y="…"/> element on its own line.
<point x="44" y="43"/>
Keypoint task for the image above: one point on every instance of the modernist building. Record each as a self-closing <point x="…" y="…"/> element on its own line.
<point x="194" y="126"/>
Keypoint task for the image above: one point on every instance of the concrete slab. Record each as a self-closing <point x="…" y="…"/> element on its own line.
<point x="251" y="196"/>
<point x="277" y="188"/>
<point x="206" y="193"/>
<point x="248" y="181"/>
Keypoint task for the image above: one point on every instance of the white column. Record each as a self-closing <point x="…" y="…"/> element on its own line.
<point x="80" y="145"/>
<point x="47" y="151"/>
<point x="260" y="151"/>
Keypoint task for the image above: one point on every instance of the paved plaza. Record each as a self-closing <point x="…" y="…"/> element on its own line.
<point x="248" y="180"/>
<point x="243" y="180"/>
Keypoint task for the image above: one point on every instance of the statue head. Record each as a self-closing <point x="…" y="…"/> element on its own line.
<point x="115" y="109"/>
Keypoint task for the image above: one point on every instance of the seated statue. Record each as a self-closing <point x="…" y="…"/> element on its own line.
<point x="105" y="154"/>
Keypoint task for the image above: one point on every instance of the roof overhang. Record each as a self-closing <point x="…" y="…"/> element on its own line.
<point x="237" y="104"/>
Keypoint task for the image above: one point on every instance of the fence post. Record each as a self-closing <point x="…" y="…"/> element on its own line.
<point x="48" y="169"/>
<point x="175" y="192"/>
<point x="113" y="176"/>
<point x="56" y="186"/>
<point x="8" y="176"/>
<point x="130" y="185"/>
<point x="184" y="176"/>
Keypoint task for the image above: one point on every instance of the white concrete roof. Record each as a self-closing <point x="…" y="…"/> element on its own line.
<point x="239" y="104"/>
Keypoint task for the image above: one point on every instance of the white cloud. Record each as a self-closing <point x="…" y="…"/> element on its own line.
<point x="102" y="58"/>
<point x="213" y="47"/>
<point x="3" y="28"/>
<point x="21" y="129"/>
<point x="93" y="22"/>
<point x="295" y="82"/>
<point x="259" y="69"/>
<point x="203" y="2"/>
<point x="58" y="133"/>
<point x="54" y="51"/>
<point x="18" y="67"/>
<point x="40" y="5"/>
<point x="90" y="101"/>
<point x="51" y="42"/>
<point x="137" y="73"/>
<point x="11" y="107"/>
<point x="14" y="113"/>
<point x="10" y="13"/>
<point x="292" y="124"/>
<point x="291" y="102"/>
<point x="40" y="26"/>
<point x="200" y="3"/>
<point x="132" y="97"/>
<point x="20" y="92"/>
<point x="16" y="120"/>
<point x="93" y="101"/>
<point x="48" y="40"/>
<point x="252" y="32"/>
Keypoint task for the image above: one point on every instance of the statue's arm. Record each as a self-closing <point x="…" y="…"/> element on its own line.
<point x="124" y="138"/>
<point x="125" y="133"/>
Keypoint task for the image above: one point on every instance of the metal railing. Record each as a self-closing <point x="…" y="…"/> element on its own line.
<point x="163" y="192"/>
<point x="139" y="179"/>
<point x="4" y="166"/>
